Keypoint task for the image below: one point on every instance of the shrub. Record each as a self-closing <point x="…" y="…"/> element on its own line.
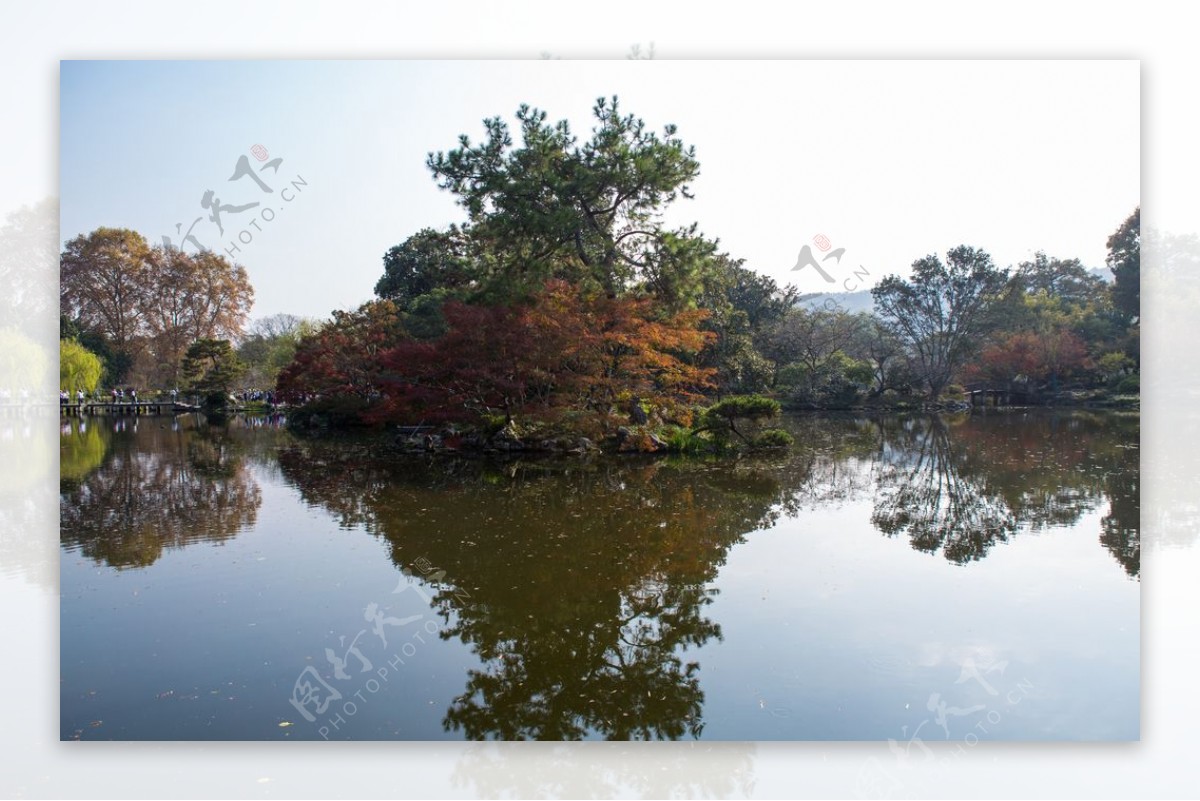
<point x="838" y="383"/>
<point x="1129" y="385"/>
<point x="792" y="375"/>
<point x="492" y="423"/>
<point x="842" y="395"/>
<point x="749" y="407"/>
<point x="677" y="439"/>
<point x="684" y="441"/>
<point x="1114" y="363"/>
<point x="772" y="438"/>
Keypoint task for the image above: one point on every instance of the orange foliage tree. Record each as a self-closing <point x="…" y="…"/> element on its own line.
<point x="562" y="350"/>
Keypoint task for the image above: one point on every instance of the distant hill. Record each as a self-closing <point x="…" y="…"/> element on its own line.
<point x="861" y="301"/>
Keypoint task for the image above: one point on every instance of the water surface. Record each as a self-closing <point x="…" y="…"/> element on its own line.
<point x="906" y="579"/>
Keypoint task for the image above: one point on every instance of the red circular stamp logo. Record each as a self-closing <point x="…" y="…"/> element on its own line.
<point x="259" y="152"/>
<point x="822" y="242"/>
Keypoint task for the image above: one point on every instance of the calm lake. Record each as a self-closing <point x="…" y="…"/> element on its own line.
<point x="916" y="579"/>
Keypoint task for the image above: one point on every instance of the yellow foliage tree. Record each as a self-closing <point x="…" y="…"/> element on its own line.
<point x="78" y="367"/>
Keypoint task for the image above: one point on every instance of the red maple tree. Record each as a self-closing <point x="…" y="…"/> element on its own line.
<point x="1050" y="355"/>
<point x="562" y="350"/>
<point x="342" y="357"/>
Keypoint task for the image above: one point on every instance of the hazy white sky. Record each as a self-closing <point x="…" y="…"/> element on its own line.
<point x="890" y="160"/>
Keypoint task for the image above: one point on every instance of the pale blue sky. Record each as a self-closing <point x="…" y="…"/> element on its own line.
<point x="891" y="160"/>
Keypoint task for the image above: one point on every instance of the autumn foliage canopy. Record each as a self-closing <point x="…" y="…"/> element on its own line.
<point x="1049" y="355"/>
<point x="342" y="357"/>
<point x="561" y="350"/>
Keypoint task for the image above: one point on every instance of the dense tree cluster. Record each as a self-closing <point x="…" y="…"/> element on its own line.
<point x="1031" y="331"/>
<point x="141" y="307"/>
<point x="564" y="295"/>
<point x="268" y="346"/>
<point x="563" y="350"/>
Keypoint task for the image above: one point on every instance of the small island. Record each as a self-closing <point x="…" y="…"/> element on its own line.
<point x="564" y="315"/>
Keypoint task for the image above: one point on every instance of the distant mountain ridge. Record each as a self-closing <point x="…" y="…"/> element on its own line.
<point x="853" y="302"/>
<point x="861" y="300"/>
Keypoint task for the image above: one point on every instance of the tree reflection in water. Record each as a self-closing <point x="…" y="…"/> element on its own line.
<point x="133" y="488"/>
<point x="1122" y="525"/>
<point x="961" y="485"/>
<point x="583" y="585"/>
<point x="957" y="485"/>
<point x="925" y="492"/>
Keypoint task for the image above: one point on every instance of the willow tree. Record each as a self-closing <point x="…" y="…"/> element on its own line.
<point x="78" y="367"/>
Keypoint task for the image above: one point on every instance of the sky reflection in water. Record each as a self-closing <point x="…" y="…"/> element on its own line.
<point x="912" y="579"/>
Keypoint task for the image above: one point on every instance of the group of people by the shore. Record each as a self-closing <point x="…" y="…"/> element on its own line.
<point x="115" y="395"/>
<point x="120" y="395"/>
<point x="266" y="396"/>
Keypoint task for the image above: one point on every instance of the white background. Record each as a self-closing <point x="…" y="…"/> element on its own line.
<point x="34" y="37"/>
